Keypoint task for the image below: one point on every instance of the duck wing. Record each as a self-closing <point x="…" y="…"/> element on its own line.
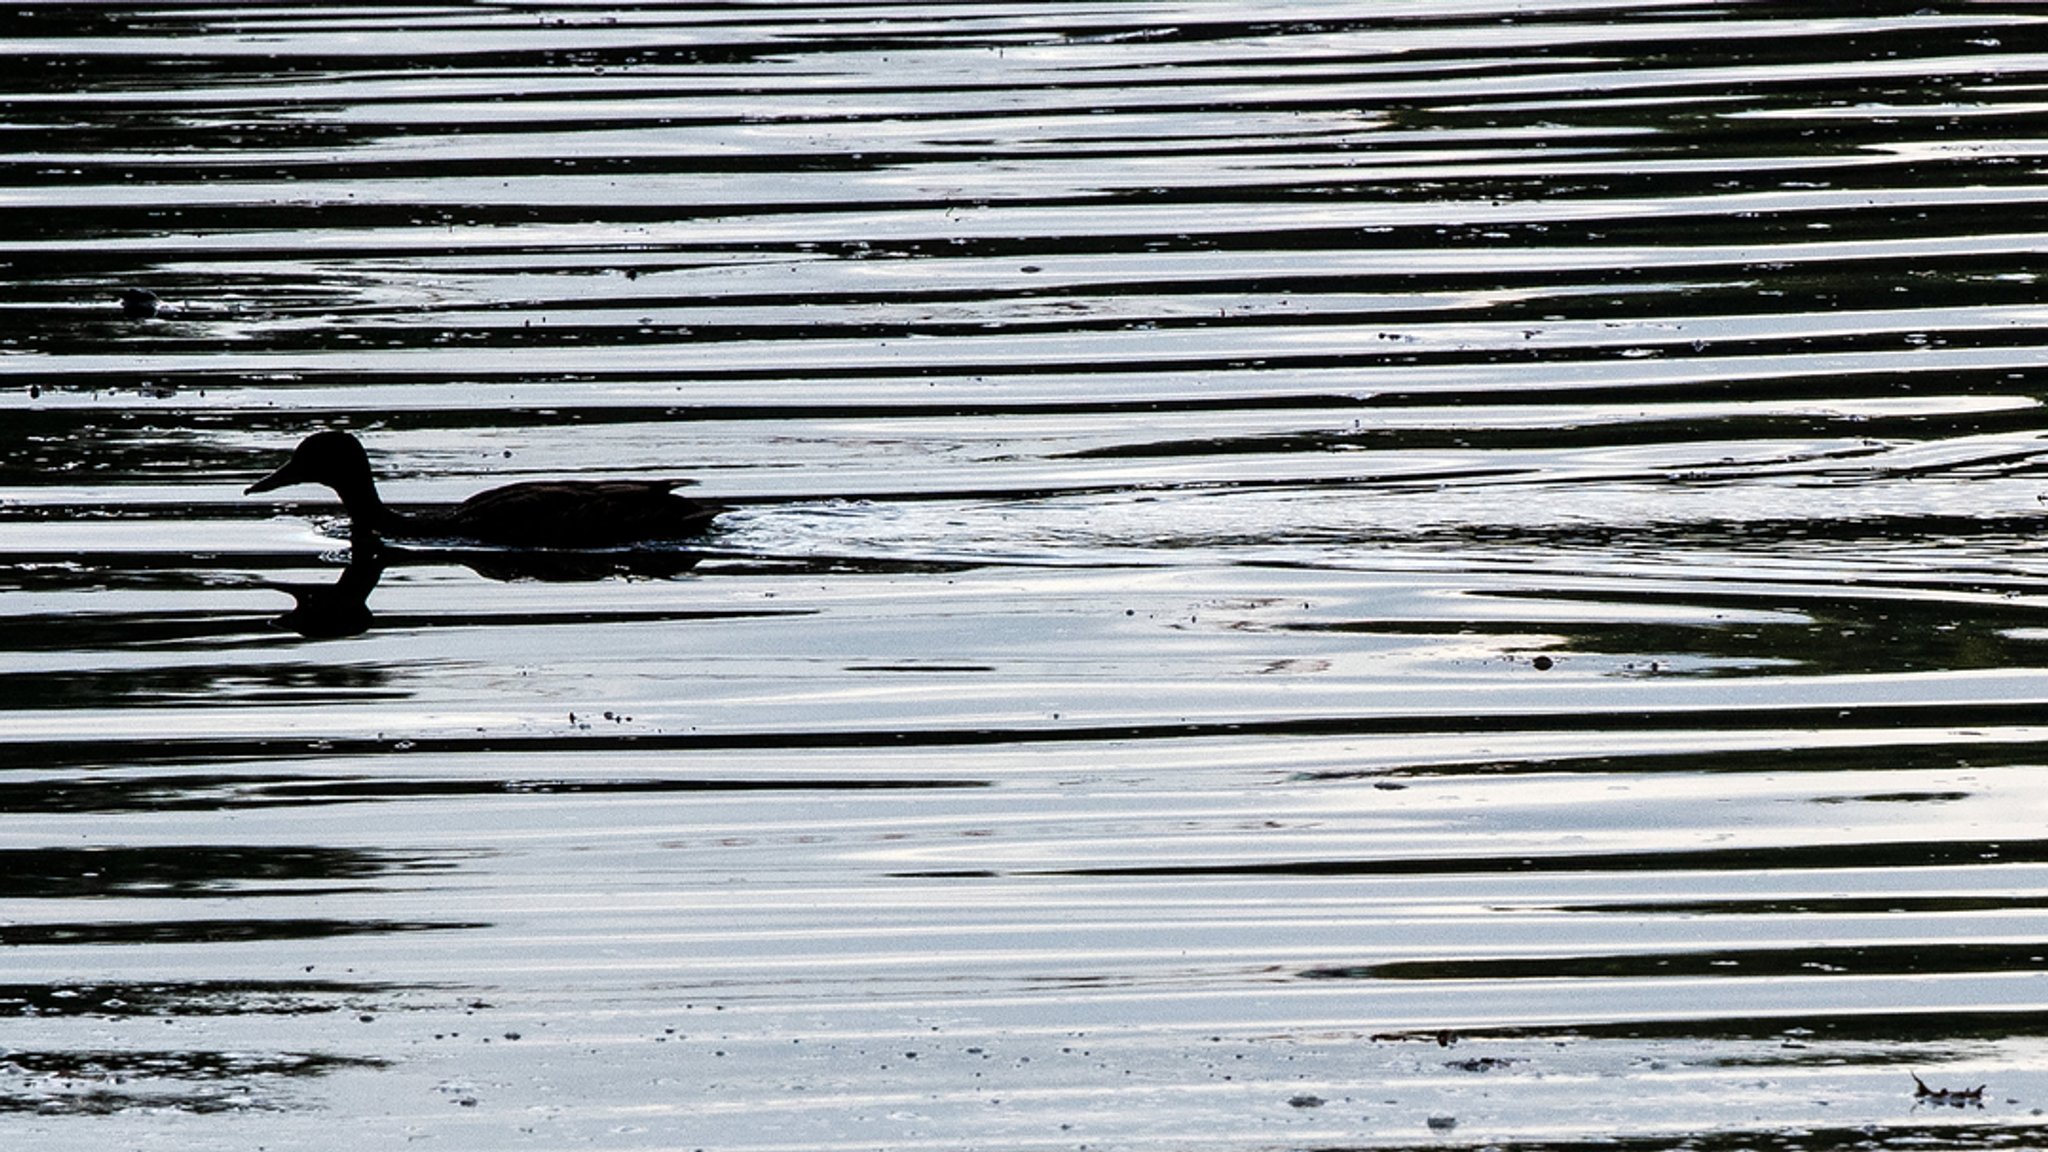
<point x="578" y="514"/>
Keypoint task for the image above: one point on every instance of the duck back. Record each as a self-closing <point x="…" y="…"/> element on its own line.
<point x="575" y="514"/>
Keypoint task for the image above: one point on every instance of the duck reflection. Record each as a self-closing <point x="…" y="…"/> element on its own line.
<point x="332" y="611"/>
<point x="558" y="567"/>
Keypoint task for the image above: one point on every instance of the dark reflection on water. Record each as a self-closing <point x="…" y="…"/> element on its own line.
<point x="1818" y="905"/>
<point x="193" y="870"/>
<point x="162" y="630"/>
<point x="1962" y="1025"/>
<point x="220" y="685"/>
<point x="1831" y="631"/>
<point x="161" y="1081"/>
<point x="1900" y="755"/>
<point x="161" y="932"/>
<point x="1908" y="1137"/>
<point x="1915" y="854"/>
<point x="211" y="793"/>
<point x="1918" y="959"/>
<point x="190" y="998"/>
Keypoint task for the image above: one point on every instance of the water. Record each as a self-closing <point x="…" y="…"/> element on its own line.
<point x="1459" y="575"/>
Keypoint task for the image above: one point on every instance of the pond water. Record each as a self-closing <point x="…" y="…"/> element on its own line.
<point x="1464" y="574"/>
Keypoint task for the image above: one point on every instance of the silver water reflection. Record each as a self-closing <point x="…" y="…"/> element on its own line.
<point x="1325" y="577"/>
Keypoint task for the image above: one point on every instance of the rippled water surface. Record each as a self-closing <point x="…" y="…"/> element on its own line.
<point x="1459" y="574"/>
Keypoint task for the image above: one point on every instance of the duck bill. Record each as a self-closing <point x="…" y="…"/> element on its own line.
<point x="278" y="479"/>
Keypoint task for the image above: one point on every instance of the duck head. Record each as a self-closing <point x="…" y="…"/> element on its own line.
<point x="336" y="460"/>
<point x="331" y="458"/>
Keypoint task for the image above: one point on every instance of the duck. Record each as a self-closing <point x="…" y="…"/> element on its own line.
<point x="564" y="514"/>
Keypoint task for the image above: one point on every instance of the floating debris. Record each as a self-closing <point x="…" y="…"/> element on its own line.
<point x="1481" y="1063"/>
<point x="1952" y="1097"/>
<point x="1443" y="1038"/>
<point x="140" y="303"/>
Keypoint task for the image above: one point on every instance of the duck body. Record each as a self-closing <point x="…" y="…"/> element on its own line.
<point x="531" y="514"/>
<point x="565" y="514"/>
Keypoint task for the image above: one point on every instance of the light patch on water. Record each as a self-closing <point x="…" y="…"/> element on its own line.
<point x="1443" y="578"/>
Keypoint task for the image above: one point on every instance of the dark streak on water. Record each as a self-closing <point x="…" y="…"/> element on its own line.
<point x="1343" y="575"/>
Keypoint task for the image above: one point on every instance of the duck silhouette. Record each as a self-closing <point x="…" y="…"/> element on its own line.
<point x="532" y="514"/>
<point x="332" y="611"/>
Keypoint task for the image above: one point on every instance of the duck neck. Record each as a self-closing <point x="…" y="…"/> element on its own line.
<point x="364" y="538"/>
<point x="367" y="515"/>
